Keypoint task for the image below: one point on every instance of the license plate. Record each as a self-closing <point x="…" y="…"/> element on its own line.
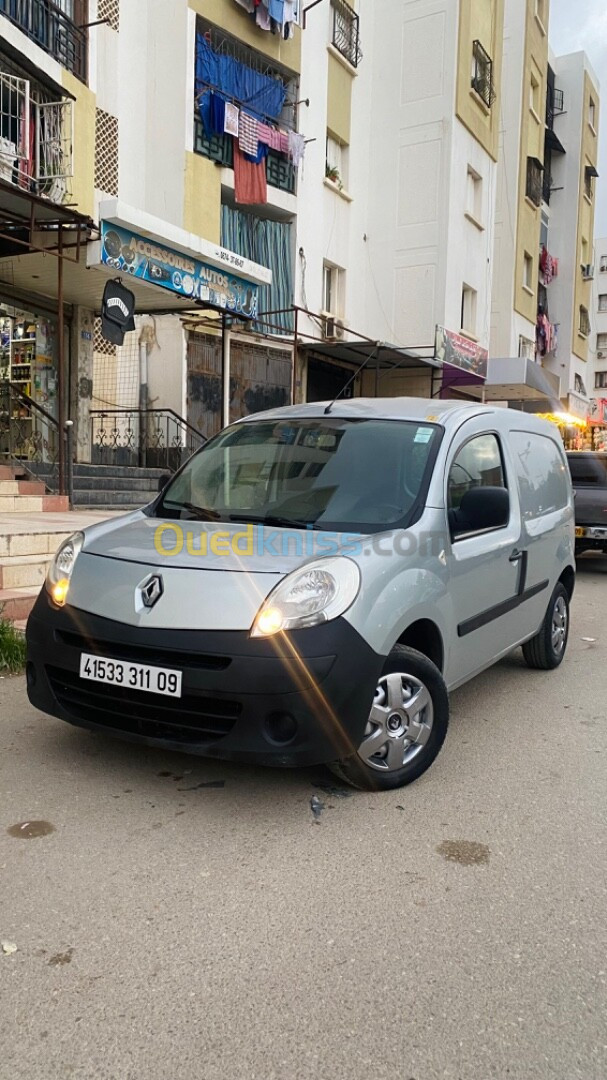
<point x="580" y="532"/>
<point x="152" y="680"/>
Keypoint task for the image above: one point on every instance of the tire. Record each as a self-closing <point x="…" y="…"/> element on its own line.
<point x="388" y="756"/>
<point x="546" y="650"/>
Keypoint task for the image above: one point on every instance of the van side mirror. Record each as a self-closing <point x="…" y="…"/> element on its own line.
<point x="164" y="480"/>
<point x="484" y="508"/>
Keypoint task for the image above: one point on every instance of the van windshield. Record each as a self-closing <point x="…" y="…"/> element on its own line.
<point x="327" y="473"/>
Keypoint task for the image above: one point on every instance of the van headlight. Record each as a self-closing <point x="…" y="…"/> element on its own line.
<point x="61" y="568"/>
<point x="316" y="593"/>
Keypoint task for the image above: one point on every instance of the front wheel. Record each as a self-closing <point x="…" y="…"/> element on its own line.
<point x="547" y="649"/>
<point x="406" y="727"/>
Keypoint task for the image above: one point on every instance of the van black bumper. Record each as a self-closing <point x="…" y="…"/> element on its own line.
<point x="301" y="698"/>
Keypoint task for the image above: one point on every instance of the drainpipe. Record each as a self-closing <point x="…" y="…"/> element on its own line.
<point x="225" y="372"/>
<point x="143" y="399"/>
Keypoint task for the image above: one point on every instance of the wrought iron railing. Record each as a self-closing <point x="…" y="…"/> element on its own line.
<point x="150" y="438"/>
<point x="280" y="173"/>
<point x="346" y="32"/>
<point x="482" y="74"/>
<point x="52" y="30"/>
<point x="554" y="105"/>
<point x="28" y="433"/>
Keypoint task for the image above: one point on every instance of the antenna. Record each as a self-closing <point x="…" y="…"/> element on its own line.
<point x="352" y="378"/>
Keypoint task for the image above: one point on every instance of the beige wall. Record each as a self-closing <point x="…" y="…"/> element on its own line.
<point x="202" y="202"/>
<point x="83" y="180"/>
<point x="533" y="132"/>
<point x="339" y="100"/>
<point x="585" y="229"/>
<point x="480" y="20"/>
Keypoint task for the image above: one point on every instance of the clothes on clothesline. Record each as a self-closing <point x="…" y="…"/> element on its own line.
<point x="262" y="95"/>
<point x="549" y="266"/>
<point x="297" y="147"/>
<point x="248" y="137"/>
<point x="275" y="16"/>
<point x="544" y="333"/>
<point x="250" y="184"/>
<point x="232" y="117"/>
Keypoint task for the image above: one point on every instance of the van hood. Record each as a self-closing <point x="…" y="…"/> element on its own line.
<point x="203" y="545"/>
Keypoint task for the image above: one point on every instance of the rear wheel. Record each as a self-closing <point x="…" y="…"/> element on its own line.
<point x="547" y="649"/>
<point x="406" y="727"/>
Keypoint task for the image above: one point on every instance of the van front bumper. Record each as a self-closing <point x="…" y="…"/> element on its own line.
<point x="301" y="698"/>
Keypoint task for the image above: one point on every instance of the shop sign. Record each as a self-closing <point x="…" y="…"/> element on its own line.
<point x="597" y="413"/>
<point x="578" y="406"/>
<point x="188" y="277"/>
<point x="117" y="312"/>
<point x="460" y="352"/>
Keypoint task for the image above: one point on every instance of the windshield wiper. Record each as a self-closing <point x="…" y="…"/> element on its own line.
<point x="274" y="519"/>
<point x="201" y="512"/>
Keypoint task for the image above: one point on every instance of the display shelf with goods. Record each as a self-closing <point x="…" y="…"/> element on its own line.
<point x="28" y="373"/>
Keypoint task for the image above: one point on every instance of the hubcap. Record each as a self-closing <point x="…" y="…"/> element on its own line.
<point x="399" y="724"/>
<point x="559" y="625"/>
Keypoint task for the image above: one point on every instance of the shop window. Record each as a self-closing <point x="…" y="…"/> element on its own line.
<point x="602" y="301"/>
<point x="336" y="161"/>
<point x="584" y="327"/>
<point x="528" y="271"/>
<point x="468" y="310"/>
<point x="474" y="195"/>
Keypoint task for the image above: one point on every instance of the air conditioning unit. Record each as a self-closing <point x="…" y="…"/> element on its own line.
<point x="601" y="355"/>
<point x="332" y="329"/>
<point x="588" y="272"/>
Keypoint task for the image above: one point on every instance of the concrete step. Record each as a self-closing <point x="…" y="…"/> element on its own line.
<point x="100" y="471"/>
<point x="25" y="544"/>
<point x="115" y="483"/>
<point x="28" y="504"/>
<point x="103" y="499"/>
<point x="21" y="571"/>
<point x="16" y="604"/>
<point x="21" y="487"/>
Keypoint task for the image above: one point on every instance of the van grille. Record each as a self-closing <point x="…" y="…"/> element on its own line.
<point x="142" y="654"/>
<point x="188" y="720"/>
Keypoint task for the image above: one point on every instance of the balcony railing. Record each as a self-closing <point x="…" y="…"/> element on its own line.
<point x="554" y="105"/>
<point x="482" y="74"/>
<point x="36" y="139"/>
<point x="153" y="438"/>
<point x="280" y="173"/>
<point x="52" y="30"/>
<point x="346" y="32"/>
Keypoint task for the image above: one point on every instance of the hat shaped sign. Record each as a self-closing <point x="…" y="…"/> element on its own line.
<point x="117" y="312"/>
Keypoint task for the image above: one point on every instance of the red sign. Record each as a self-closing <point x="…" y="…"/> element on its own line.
<point x="597" y="413"/>
<point x="460" y="352"/>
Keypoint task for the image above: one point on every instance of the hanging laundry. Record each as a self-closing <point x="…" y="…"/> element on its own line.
<point x="297" y="147"/>
<point x="230" y="125"/>
<point x="262" y="17"/>
<point x="262" y="95"/>
<point x="248" y="137"/>
<point x="217" y="114"/>
<point x="269" y="135"/>
<point x="276" y="9"/>
<point x="261" y="155"/>
<point x="283" y="142"/>
<point x="250" y="185"/>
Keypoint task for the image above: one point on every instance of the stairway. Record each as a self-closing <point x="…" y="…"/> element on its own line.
<point x="32" y="525"/>
<point x="109" y="487"/>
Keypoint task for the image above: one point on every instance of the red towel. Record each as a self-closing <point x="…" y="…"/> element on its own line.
<point x="249" y="179"/>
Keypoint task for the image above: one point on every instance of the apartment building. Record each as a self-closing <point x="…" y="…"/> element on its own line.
<point x="113" y="165"/>
<point x="597" y="348"/>
<point x="396" y="205"/>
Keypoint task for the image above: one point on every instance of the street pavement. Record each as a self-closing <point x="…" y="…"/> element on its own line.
<point x="455" y="929"/>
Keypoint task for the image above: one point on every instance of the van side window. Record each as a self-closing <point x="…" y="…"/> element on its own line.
<point x="541" y="472"/>
<point x="478" y="464"/>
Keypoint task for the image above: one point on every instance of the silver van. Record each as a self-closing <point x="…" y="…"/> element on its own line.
<point x="312" y="584"/>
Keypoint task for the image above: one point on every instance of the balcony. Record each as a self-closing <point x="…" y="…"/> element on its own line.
<point x="36" y="139"/>
<point x="49" y="27"/>
<point x="533" y="190"/>
<point x="346" y="32"/>
<point x="554" y="105"/>
<point x="482" y="74"/>
<point x="220" y="148"/>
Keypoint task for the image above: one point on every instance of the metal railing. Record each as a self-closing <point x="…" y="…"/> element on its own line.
<point x="50" y="28"/>
<point x="346" y="32"/>
<point x="482" y="74"/>
<point x="554" y="105"/>
<point x="148" y="438"/>
<point x="546" y="188"/>
<point x="28" y="434"/>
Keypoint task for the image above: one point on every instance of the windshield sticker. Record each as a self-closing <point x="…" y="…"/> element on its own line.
<point x="423" y="435"/>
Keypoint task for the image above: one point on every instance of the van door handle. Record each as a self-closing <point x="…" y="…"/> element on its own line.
<point x="520" y="557"/>
<point x="516" y="555"/>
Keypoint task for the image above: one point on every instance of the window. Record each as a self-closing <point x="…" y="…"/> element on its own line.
<point x="474" y="195"/>
<point x="600" y="380"/>
<point x="587" y="469"/>
<point x="526" y="347"/>
<point x="477" y="464"/>
<point x="578" y="384"/>
<point x="589" y="174"/>
<point x="603" y="264"/>
<point x="584" y="253"/>
<point x="528" y="271"/>
<point x="468" y="313"/>
<point x="591" y="114"/>
<point x="602" y="301"/>
<point x="332" y="289"/>
<point x="482" y="74"/>
<point x="541" y="472"/>
<point x="534" y="95"/>
<point x="336" y="161"/>
<point x="534" y="180"/>
<point x="601" y="344"/>
<point x="346" y="32"/>
<point x="584" y="321"/>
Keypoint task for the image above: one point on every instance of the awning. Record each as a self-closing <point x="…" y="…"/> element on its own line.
<point x="553" y="142"/>
<point x="378" y="353"/>
<point x="519" y="379"/>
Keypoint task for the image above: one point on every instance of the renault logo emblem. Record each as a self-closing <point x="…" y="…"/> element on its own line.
<point x="151" y="590"/>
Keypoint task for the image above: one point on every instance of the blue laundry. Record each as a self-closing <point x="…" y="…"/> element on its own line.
<point x="263" y="96"/>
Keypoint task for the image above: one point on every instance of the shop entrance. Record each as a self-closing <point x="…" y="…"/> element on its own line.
<point x="327" y="381"/>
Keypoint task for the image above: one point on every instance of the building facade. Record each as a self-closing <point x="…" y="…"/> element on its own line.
<point x="597" y="347"/>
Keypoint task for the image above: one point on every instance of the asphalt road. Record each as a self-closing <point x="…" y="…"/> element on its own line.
<point x="455" y="929"/>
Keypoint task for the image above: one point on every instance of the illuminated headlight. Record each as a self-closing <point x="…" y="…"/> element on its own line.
<point x="318" y="592"/>
<point x="61" y="569"/>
